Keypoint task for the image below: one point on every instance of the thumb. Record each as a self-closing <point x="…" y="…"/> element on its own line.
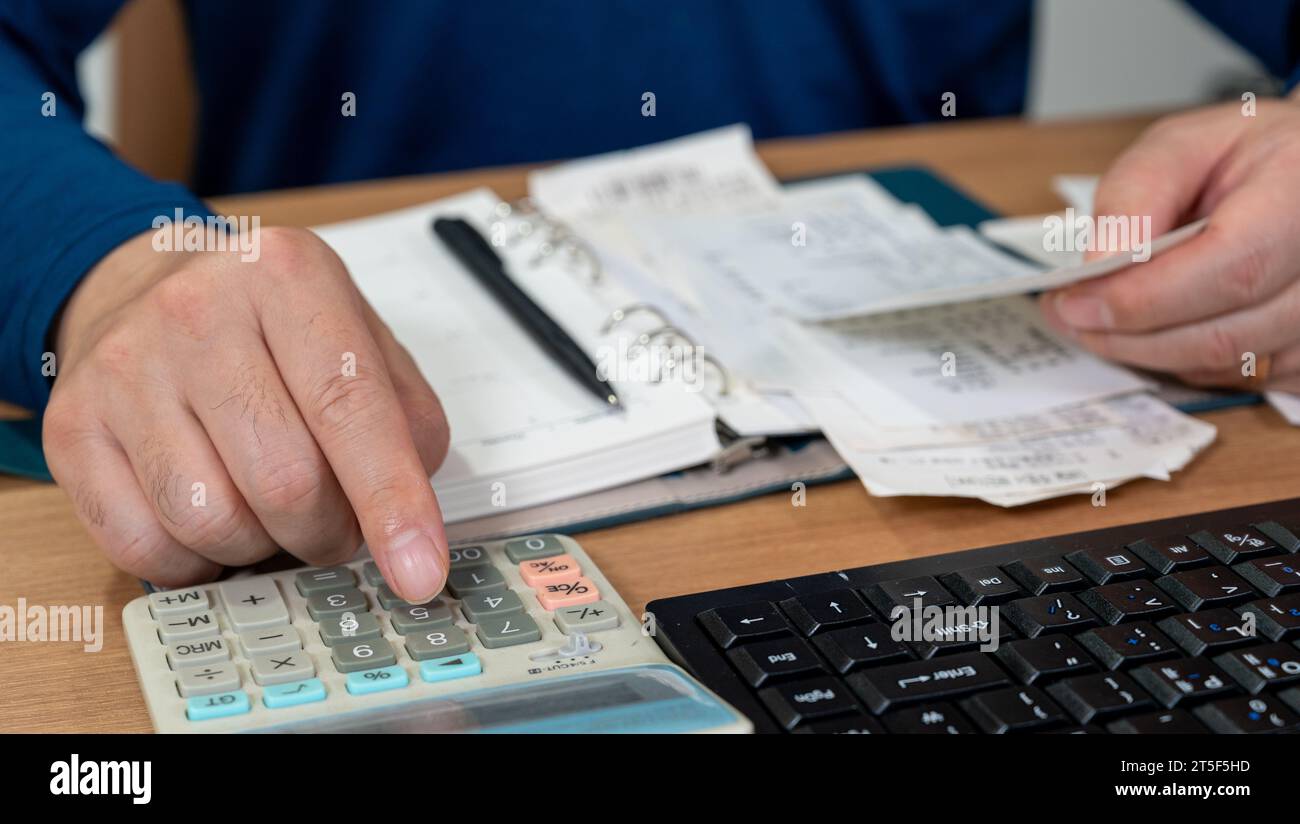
<point x="1162" y="175"/>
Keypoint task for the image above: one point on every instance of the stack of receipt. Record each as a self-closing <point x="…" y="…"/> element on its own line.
<point x="914" y="348"/>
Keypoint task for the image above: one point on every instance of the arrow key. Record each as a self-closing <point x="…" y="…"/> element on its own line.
<point x="743" y="622"/>
<point x="885" y="597"/>
<point x="848" y="648"/>
<point x="817" y="613"/>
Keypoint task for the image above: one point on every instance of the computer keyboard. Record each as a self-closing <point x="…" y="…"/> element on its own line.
<point x="1180" y="625"/>
<point x="529" y="636"/>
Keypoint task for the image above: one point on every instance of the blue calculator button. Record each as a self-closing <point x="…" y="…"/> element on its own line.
<point x="294" y="693"/>
<point x="452" y="666"/>
<point x="377" y="680"/>
<point x="220" y="705"/>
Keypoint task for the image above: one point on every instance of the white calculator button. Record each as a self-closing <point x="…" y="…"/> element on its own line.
<point x="282" y="667"/>
<point x="177" y="602"/>
<point x="208" y="679"/>
<point x="266" y="641"/>
<point x="173" y="628"/>
<point x="202" y="651"/>
<point x="254" y="603"/>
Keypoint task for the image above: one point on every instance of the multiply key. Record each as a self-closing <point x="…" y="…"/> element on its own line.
<point x="743" y="622"/>
<point x="884" y="688"/>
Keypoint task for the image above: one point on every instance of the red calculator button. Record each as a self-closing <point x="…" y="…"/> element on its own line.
<point x="567" y="594"/>
<point x="558" y="569"/>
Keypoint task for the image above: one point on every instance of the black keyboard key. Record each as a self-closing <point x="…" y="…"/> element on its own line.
<point x="984" y="585"/>
<point x="743" y="622"/>
<point x="1163" y="722"/>
<point x="1128" y="645"/>
<point x="1095" y="697"/>
<point x="1128" y="601"/>
<point x="940" y="718"/>
<point x="1271" y="576"/>
<point x="1210" y="631"/>
<point x="1087" y="729"/>
<point x="799" y="702"/>
<point x="1036" y="660"/>
<point x="1291" y="697"/>
<point x="1261" y="713"/>
<point x="852" y="647"/>
<point x="1277" y="619"/>
<point x="959" y="632"/>
<point x="1206" y="588"/>
<point x="1236" y="543"/>
<point x="826" y="610"/>
<point x="1049" y="613"/>
<point x="764" y="662"/>
<point x="1015" y="709"/>
<point x="1171" y="553"/>
<point x="1285" y="536"/>
<point x="1183" y="680"/>
<point x="1256" y="668"/>
<point x="885" y="597"/>
<point x="1108" y="566"/>
<point x="1043" y="575"/>
<point x="884" y="688"/>
<point x="856" y="724"/>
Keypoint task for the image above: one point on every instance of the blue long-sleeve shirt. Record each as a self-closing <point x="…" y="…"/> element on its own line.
<point x="449" y="85"/>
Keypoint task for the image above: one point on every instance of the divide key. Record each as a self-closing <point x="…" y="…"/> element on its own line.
<point x="743" y="622"/>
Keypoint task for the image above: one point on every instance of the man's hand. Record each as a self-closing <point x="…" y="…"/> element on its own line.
<point x="207" y="411"/>
<point x="1201" y="310"/>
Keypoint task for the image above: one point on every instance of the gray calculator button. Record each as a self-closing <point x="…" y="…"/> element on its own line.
<point x="508" y="630"/>
<point x="177" y="602"/>
<point x="281" y="667"/>
<point x="202" y="651"/>
<point x="173" y="628"/>
<point x="538" y="546"/>
<point x="437" y="643"/>
<point x="463" y="582"/>
<point x="414" y="618"/>
<point x="591" y="617"/>
<point x="266" y="641"/>
<point x="370" y="572"/>
<point x="207" y="679"/>
<point x="354" y="656"/>
<point x="488" y="604"/>
<point x="254" y="603"/>
<point x="324" y="604"/>
<point x="468" y="556"/>
<point x="311" y="581"/>
<point x="387" y="598"/>
<point x="349" y="626"/>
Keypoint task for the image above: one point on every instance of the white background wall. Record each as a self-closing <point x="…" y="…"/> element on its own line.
<point x="1089" y="57"/>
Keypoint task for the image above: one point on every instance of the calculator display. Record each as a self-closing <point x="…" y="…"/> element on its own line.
<point x="645" y="699"/>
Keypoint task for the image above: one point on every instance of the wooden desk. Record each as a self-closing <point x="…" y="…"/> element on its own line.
<point x="48" y="559"/>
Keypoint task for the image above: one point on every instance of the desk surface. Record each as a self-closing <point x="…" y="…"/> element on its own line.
<point x="46" y="558"/>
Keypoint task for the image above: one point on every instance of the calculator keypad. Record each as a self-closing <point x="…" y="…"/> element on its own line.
<point x="272" y="643"/>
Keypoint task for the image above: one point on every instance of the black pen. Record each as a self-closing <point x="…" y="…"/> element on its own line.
<point x="474" y="251"/>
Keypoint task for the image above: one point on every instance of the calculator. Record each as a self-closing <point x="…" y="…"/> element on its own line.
<point x="528" y="636"/>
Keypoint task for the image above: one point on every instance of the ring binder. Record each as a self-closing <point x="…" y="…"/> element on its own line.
<point x="665" y="329"/>
<point x="520" y="220"/>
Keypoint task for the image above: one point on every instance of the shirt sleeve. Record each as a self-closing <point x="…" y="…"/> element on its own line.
<point x="1268" y="29"/>
<point x="65" y="200"/>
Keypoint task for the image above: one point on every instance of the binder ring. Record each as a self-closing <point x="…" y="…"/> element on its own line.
<point x="623" y="313"/>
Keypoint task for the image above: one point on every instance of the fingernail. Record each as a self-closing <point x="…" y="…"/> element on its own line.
<point x="1084" y="311"/>
<point x="413" y="562"/>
